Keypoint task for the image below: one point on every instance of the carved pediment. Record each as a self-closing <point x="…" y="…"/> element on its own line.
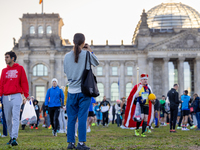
<point x="186" y="40"/>
<point x="189" y="41"/>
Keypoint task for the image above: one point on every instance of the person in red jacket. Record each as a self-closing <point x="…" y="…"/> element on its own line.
<point x="13" y="83"/>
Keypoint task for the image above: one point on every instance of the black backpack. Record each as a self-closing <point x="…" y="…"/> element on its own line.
<point x="89" y="81"/>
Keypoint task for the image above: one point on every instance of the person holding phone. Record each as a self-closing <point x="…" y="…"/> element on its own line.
<point x="77" y="102"/>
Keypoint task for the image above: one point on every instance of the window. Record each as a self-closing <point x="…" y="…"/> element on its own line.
<point x="40" y="93"/>
<point x="173" y="73"/>
<point x="114" y="92"/>
<point x="40" y="70"/>
<point x="99" y="71"/>
<point x="49" y="31"/>
<point x="40" y="30"/>
<point x="101" y="91"/>
<point x="130" y="71"/>
<point x="189" y="77"/>
<point x="129" y="87"/>
<point x="114" y="71"/>
<point x="32" y="30"/>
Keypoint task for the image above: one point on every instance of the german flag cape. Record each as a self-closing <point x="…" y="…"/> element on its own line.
<point x="130" y="108"/>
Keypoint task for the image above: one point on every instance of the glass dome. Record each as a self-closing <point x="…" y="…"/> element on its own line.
<point x="173" y="15"/>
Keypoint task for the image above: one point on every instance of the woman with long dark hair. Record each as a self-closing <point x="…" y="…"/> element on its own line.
<point x="77" y="103"/>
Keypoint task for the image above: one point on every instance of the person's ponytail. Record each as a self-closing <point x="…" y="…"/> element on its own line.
<point x="79" y="39"/>
<point x="76" y="52"/>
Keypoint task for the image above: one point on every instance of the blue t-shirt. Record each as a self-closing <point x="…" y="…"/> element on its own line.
<point x="185" y="103"/>
<point x="91" y="106"/>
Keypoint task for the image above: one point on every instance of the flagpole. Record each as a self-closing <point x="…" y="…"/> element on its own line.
<point x="42" y="6"/>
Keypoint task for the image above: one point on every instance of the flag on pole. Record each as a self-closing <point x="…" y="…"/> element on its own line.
<point x="40" y="2"/>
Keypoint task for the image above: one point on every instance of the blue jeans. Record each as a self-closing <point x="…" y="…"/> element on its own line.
<point x="77" y="106"/>
<point x="198" y="119"/>
<point x="4" y="123"/>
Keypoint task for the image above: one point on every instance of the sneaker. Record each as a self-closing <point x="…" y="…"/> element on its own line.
<point x="137" y="132"/>
<point x="171" y="131"/>
<point x="179" y="127"/>
<point x="93" y="124"/>
<point x="186" y="129"/>
<point x="174" y="131"/>
<point x="183" y="129"/>
<point x="54" y="133"/>
<point x="83" y="146"/>
<point x="9" y="142"/>
<point x="31" y="127"/>
<point x="14" y="142"/>
<point x="4" y="136"/>
<point x="143" y="135"/>
<point x="43" y="125"/>
<point x="107" y="125"/>
<point x="36" y="128"/>
<point x="50" y="127"/>
<point x="60" y="131"/>
<point x="71" y="146"/>
<point x="122" y="126"/>
<point x="192" y="127"/>
<point x="152" y="128"/>
<point x="164" y="124"/>
<point x="89" y="130"/>
<point x="156" y="126"/>
<point x="149" y="131"/>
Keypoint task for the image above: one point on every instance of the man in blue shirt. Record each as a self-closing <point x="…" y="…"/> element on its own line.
<point x="53" y="101"/>
<point x="91" y="114"/>
<point x="185" y="109"/>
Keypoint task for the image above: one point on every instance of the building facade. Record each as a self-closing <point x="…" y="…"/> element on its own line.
<point x="165" y="44"/>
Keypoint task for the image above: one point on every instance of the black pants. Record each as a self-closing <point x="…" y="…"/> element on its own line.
<point x="119" y="120"/>
<point x="113" y="120"/>
<point x="181" y="118"/>
<point x="105" y="118"/>
<point x="98" y="121"/>
<point x="54" y="114"/>
<point x="173" y="117"/>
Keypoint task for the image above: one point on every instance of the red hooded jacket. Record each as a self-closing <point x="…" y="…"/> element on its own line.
<point x="13" y="80"/>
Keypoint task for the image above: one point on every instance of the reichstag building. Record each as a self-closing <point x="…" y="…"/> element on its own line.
<point x="165" y="44"/>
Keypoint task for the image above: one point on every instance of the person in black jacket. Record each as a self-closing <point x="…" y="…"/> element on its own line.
<point x="113" y="113"/>
<point x="157" y="112"/>
<point x="21" y="111"/>
<point x="106" y="104"/>
<point x="37" y="111"/>
<point x="174" y="103"/>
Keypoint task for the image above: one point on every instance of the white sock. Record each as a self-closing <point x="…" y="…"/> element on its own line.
<point x="81" y="143"/>
<point x="76" y="127"/>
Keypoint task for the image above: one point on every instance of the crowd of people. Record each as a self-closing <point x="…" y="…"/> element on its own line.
<point x="68" y="110"/>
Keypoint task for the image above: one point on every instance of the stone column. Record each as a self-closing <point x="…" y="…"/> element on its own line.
<point x="181" y="75"/>
<point x="52" y="65"/>
<point x="107" y="75"/>
<point x="197" y="76"/>
<point x="165" y="76"/>
<point x="150" y="72"/>
<point x="26" y="68"/>
<point x="122" y="77"/>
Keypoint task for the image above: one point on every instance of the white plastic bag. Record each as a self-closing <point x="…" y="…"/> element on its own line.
<point x="137" y="114"/>
<point x="28" y="115"/>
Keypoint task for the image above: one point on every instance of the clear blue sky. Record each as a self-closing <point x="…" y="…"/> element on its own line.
<point x="99" y="20"/>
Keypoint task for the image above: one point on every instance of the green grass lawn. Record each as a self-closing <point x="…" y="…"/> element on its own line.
<point x="110" y="138"/>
